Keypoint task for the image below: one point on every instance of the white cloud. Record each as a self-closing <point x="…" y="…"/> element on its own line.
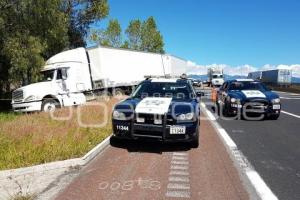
<point x="241" y="69"/>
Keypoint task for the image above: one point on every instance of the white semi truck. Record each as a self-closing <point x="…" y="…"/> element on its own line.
<point x="215" y="76"/>
<point x="70" y="75"/>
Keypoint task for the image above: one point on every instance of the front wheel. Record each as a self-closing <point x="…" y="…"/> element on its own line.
<point x="50" y="105"/>
<point x="274" y="117"/>
<point x="195" y="143"/>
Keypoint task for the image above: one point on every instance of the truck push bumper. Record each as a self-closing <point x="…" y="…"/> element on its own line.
<point x="27" y="107"/>
<point x="132" y="130"/>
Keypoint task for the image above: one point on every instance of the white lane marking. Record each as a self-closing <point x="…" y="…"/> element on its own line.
<point x="209" y="114"/>
<point x="290" y="98"/>
<point x="263" y="190"/>
<point x="177" y="172"/>
<point x="178" y="194"/>
<point x="179" y="179"/>
<point x="179" y="162"/>
<point x="180" y="154"/>
<point x="179" y="158"/>
<point x="180" y="186"/>
<point x="226" y="137"/>
<point x="180" y="167"/>
<point x="291" y="114"/>
<point x="258" y="184"/>
<point x="203" y="105"/>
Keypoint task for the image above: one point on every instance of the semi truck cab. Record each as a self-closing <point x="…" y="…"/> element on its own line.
<point x="217" y="80"/>
<point x="64" y="78"/>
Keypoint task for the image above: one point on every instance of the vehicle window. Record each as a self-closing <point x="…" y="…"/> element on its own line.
<point x="59" y="74"/>
<point x="218" y="76"/>
<point x="174" y="90"/>
<point x="47" y="75"/>
<point x="248" y="86"/>
<point x="223" y="86"/>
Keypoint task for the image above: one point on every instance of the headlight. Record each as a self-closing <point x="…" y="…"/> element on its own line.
<point x="277" y="100"/>
<point x="119" y="115"/>
<point x="31" y="98"/>
<point x="234" y="100"/>
<point x="184" y="117"/>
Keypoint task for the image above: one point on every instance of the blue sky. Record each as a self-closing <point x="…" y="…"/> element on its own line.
<point x="231" y="32"/>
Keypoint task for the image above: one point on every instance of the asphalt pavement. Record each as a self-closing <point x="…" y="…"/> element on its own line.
<point x="271" y="146"/>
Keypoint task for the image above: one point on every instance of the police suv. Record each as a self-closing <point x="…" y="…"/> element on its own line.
<point x="244" y="96"/>
<point x="162" y="109"/>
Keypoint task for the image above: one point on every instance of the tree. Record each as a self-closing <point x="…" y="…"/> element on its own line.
<point x="144" y="36"/>
<point x="110" y="37"/>
<point x="151" y="39"/>
<point x="133" y="33"/>
<point x="30" y="35"/>
<point x="81" y="14"/>
<point x="25" y="55"/>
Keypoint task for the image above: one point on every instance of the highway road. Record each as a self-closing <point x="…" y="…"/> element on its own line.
<point x="272" y="147"/>
<point x="146" y="170"/>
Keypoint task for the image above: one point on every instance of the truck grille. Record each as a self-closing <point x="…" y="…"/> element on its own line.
<point x="149" y="119"/>
<point x="17" y="95"/>
<point x="257" y="104"/>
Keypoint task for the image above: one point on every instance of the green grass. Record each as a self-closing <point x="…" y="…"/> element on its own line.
<point x="30" y="139"/>
<point x="7" y="116"/>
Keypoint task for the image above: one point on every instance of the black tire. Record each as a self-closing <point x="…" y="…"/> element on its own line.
<point x="195" y="143"/>
<point x="103" y="95"/>
<point x="50" y="105"/>
<point x="274" y="117"/>
<point x="118" y="92"/>
<point x="223" y="110"/>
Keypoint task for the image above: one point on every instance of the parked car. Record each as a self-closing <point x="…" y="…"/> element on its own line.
<point x="161" y="109"/>
<point x="197" y="83"/>
<point x="248" y="96"/>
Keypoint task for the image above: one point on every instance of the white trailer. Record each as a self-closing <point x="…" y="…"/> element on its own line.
<point x="215" y="76"/>
<point x="255" y="75"/>
<point x="69" y="75"/>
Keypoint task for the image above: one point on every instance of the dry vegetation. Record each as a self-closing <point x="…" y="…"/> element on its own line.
<point x="292" y="88"/>
<point x="30" y="139"/>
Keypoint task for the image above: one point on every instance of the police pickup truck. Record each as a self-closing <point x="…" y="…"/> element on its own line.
<point x="162" y="109"/>
<point x="244" y="96"/>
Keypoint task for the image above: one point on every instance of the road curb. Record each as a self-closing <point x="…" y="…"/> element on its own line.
<point x="35" y="179"/>
<point x="254" y="184"/>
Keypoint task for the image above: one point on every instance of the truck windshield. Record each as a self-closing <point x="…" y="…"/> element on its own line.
<point x="248" y="86"/>
<point x="47" y="75"/>
<point x="218" y="76"/>
<point x="173" y="90"/>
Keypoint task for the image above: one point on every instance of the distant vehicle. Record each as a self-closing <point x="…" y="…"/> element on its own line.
<point x="273" y="77"/>
<point x="277" y="77"/>
<point x="197" y="83"/>
<point x="255" y="75"/>
<point x="215" y="76"/>
<point x="249" y="96"/>
<point x="70" y="75"/>
<point x="161" y="109"/>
